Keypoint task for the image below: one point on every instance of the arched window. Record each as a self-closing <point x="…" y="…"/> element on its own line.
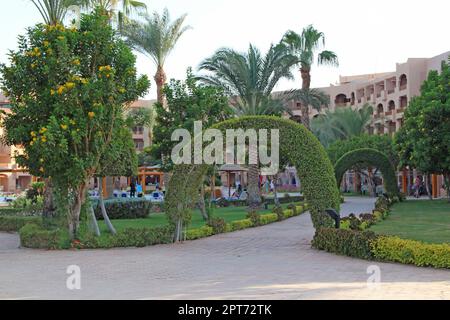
<point x="380" y="109"/>
<point x="391" y="105"/>
<point x="341" y="100"/>
<point x="403" y="82"/>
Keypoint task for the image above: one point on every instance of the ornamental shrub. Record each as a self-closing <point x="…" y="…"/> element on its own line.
<point x="387" y="248"/>
<point x="345" y="242"/>
<point x="254" y="217"/>
<point x="241" y="224"/>
<point x="35" y="237"/>
<point x="219" y="225"/>
<point x="369" y="157"/>
<point x="125" y="209"/>
<point x="279" y="212"/>
<point x="14" y="223"/>
<point x="199" y="233"/>
<point x="268" y="218"/>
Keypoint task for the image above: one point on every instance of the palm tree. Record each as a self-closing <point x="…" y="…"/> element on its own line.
<point x="307" y="98"/>
<point x="341" y="124"/>
<point x="156" y="38"/>
<point x="53" y="11"/>
<point x="127" y="8"/>
<point x="249" y="78"/>
<point x="304" y="47"/>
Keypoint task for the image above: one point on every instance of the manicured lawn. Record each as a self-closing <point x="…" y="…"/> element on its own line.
<point x="427" y="221"/>
<point x="160" y="219"/>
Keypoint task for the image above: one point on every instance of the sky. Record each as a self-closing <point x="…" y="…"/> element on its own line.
<point x="368" y="36"/>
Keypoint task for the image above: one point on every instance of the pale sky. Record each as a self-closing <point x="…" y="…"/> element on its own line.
<point x="368" y="36"/>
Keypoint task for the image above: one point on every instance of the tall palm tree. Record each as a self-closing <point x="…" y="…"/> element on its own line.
<point x="305" y="47"/>
<point x="156" y="37"/>
<point x="315" y="98"/>
<point x="249" y="78"/>
<point x="53" y="11"/>
<point x="341" y="124"/>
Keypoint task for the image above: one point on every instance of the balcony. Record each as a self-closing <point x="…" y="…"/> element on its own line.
<point x="403" y="87"/>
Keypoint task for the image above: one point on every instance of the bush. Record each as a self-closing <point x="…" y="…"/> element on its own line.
<point x="345" y="242"/>
<point x="10" y="211"/>
<point x="254" y="217"/>
<point x="14" y="224"/>
<point x="293" y="208"/>
<point x="218" y="225"/>
<point x="241" y="224"/>
<point x="35" y="237"/>
<point x="279" y="212"/>
<point x="411" y="252"/>
<point x="28" y="206"/>
<point x="125" y="209"/>
<point x="202" y="232"/>
<point x="288" y="214"/>
<point x="268" y="218"/>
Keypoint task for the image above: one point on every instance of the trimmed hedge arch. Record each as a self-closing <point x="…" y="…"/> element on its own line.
<point x="370" y="157"/>
<point x="298" y="147"/>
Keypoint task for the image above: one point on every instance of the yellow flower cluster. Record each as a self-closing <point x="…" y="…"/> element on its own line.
<point x="65" y="87"/>
<point x="91" y="115"/>
<point x="36" y="52"/>
<point x="106" y="70"/>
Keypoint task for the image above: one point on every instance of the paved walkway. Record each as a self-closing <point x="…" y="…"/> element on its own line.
<point x="271" y="262"/>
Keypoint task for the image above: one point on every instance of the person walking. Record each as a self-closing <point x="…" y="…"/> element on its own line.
<point x="133" y="189"/>
<point x="417" y="183"/>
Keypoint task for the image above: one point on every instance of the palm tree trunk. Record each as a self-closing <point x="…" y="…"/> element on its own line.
<point x="306" y="85"/>
<point x="306" y="78"/>
<point x="202" y="205"/>
<point x="160" y="79"/>
<point x="94" y="223"/>
<point x="254" y="192"/>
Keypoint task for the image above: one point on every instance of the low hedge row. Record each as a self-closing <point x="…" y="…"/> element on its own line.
<point x="125" y="209"/>
<point x="14" y="223"/>
<point x="355" y="241"/>
<point x="35" y="236"/>
<point x="9" y="211"/>
<point x="243" y="203"/>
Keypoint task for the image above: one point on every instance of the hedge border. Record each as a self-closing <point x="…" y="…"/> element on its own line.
<point x="365" y="244"/>
<point x="36" y="237"/>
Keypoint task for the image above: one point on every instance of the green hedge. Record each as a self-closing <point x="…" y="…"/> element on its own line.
<point x="298" y="147"/>
<point x="243" y="203"/>
<point x="14" y="224"/>
<point x="125" y="209"/>
<point x="369" y="157"/>
<point x="345" y="242"/>
<point x="411" y="252"/>
<point x="35" y="237"/>
<point x="9" y="211"/>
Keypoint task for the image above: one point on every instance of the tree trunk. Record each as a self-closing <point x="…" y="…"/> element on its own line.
<point x="202" y="205"/>
<point x="305" y="116"/>
<point x="276" y="200"/>
<point x="428" y="186"/>
<point x="213" y="187"/>
<point x="306" y="78"/>
<point x="49" y="203"/>
<point x="75" y="210"/>
<point x="94" y="223"/>
<point x="254" y="192"/>
<point x="103" y="210"/>
<point x="160" y="79"/>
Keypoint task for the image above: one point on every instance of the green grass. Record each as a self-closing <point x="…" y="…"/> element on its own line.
<point x="427" y="221"/>
<point x="159" y="219"/>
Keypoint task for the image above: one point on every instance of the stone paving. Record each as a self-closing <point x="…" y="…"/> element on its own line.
<point x="270" y="262"/>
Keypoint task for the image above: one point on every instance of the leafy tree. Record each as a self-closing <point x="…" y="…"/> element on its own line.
<point x="341" y="124"/>
<point x="304" y="48"/>
<point x="423" y="140"/>
<point x="156" y="37"/>
<point x="249" y="79"/>
<point x="68" y="89"/>
<point x="142" y="117"/>
<point x="188" y="102"/>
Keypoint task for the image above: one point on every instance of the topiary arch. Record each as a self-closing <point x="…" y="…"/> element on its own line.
<point x="298" y="148"/>
<point x="370" y="157"/>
